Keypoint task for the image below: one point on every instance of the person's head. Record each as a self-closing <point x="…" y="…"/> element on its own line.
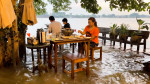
<point x="92" y="21"/>
<point x="65" y="21"/>
<point x="51" y="18"/>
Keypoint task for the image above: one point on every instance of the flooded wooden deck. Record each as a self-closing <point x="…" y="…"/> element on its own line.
<point x="117" y="67"/>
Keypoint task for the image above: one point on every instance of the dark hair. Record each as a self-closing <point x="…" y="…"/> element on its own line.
<point x="51" y="18"/>
<point x="93" y="20"/>
<point x="65" y="20"/>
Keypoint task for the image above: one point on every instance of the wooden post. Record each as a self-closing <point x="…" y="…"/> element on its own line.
<point x="15" y="38"/>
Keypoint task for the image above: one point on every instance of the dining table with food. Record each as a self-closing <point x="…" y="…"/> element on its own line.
<point x="66" y="36"/>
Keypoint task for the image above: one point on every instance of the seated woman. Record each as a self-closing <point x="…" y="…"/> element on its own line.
<point x="92" y="31"/>
<point x="66" y="24"/>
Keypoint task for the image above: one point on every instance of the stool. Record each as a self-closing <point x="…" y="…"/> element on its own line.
<point x="92" y="53"/>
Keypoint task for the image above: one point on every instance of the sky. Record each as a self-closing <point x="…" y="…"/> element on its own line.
<point x="76" y="9"/>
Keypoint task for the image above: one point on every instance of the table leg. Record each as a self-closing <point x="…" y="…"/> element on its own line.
<point x="33" y="60"/>
<point x="44" y="54"/>
<point x="73" y="48"/>
<point x="88" y="48"/>
<point x="50" y="56"/>
<point x="55" y="45"/>
<point x="38" y="55"/>
<point x="25" y="59"/>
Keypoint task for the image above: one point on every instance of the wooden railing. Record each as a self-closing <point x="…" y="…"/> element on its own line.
<point x="105" y="36"/>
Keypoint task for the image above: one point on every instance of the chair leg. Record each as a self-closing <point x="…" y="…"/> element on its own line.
<point x="72" y="70"/>
<point x="101" y="53"/>
<point x="87" y="68"/>
<point x="63" y="65"/>
<point x="78" y="65"/>
<point x="92" y="55"/>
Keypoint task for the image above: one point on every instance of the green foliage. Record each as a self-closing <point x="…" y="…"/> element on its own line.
<point x="137" y="5"/>
<point x="123" y="29"/>
<point x="59" y="5"/>
<point x="91" y="6"/>
<point x="142" y="24"/>
<point x="114" y="29"/>
<point x="40" y="7"/>
<point x="145" y="27"/>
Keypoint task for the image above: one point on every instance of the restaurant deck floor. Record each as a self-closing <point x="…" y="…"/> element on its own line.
<point x="117" y="67"/>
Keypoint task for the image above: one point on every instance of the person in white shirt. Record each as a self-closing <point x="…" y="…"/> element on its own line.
<point x="54" y="27"/>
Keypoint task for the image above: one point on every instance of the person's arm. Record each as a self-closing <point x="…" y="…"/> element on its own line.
<point x="82" y="32"/>
<point x="50" y="29"/>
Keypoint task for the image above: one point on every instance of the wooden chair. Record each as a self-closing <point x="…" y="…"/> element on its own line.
<point x="76" y="58"/>
<point x="92" y="53"/>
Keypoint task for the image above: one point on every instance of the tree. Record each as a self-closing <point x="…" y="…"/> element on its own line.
<point x="137" y="5"/>
<point x="92" y="6"/>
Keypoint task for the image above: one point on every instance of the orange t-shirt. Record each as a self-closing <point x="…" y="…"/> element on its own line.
<point x="93" y="32"/>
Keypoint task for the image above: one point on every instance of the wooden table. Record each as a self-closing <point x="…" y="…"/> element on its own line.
<point x="65" y="41"/>
<point x="39" y="47"/>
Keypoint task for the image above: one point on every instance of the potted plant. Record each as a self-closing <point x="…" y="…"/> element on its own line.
<point x="123" y="33"/>
<point x="137" y="35"/>
<point x="114" y="31"/>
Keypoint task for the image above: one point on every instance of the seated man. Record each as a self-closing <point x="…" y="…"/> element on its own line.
<point x="54" y="26"/>
<point x="66" y="24"/>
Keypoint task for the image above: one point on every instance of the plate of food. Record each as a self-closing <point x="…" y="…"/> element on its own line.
<point x="87" y="37"/>
<point x="58" y="39"/>
<point x="67" y="37"/>
<point x="81" y="37"/>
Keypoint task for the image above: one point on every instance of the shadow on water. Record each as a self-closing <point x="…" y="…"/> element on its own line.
<point x="117" y="67"/>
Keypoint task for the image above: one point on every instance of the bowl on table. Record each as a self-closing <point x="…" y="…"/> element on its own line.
<point x="67" y="32"/>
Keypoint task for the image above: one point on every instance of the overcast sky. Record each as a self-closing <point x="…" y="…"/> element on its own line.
<point x="76" y="9"/>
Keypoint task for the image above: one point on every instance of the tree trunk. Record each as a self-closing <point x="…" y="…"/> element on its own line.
<point x="22" y="31"/>
<point x="15" y="43"/>
<point x="22" y="47"/>
<point x="1" y="49"/>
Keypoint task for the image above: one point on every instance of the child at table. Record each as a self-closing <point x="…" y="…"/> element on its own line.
<point x="91" y="30"/>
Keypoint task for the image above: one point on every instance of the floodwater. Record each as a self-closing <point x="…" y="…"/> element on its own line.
<point x="116" y="67"/>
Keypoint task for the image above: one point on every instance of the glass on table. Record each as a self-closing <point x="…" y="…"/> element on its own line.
<point x="53" y="37"/>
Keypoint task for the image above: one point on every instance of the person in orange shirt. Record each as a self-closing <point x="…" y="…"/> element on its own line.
<point x="92" y="31"/>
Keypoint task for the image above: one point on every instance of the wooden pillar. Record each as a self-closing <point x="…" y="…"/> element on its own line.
<point x="15" y="43"/>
